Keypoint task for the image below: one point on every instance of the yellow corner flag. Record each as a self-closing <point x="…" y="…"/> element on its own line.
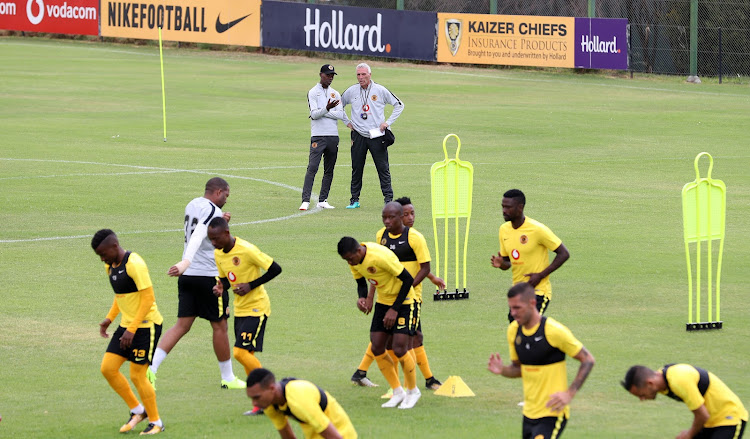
<point x="454" y="387"/>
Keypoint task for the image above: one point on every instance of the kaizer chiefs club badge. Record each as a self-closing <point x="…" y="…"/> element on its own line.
<point x="383" y="241"/>
<point x="453" y="34"/>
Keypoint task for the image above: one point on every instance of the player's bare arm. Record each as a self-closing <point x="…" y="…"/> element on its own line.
<point x="330" y="432"/>
<point x="496" y="366"/>
<point x="103" y="327"/>
<point x="558" y="401"/>
<point x="370" y="299"/>
<point x="561" y="255"/>
<point x="501" y="262"/>
<point x="390" y="318"/>
<point x="241" y="289"/>
<point x="286" y="432"/>
<point x="437" y="281"/>
<point x="424" y="271"/>
<point x="700" y="416"/>
<point x="126" y="340"/>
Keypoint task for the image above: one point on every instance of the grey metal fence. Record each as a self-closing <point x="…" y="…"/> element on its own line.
<point x="659" y="29"/>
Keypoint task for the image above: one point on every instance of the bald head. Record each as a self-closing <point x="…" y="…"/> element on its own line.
<point x="392" y="217"/>
<point x="394" y="207"/>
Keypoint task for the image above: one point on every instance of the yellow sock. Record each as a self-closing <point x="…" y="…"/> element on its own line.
<point x="111" y="370"/>
<point x="248" y="360"/>
<point x="410" y="370"/>
<point x="145" y="390"/>
<point x="385" y="363"/>
<point x="423" y="363"/>
<point x="367" y="359"/>
<point x="394" y="358"/>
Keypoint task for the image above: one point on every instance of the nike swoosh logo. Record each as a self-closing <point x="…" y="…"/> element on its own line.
<point x="121" y="271"/>
<point x="401" y="242"/>
<point x="538" y="338"/>
<point x="400" y="326"/>
<point x="140" y="358"/>
<point x="223" y="27"/>
<point x="246" y="343"/>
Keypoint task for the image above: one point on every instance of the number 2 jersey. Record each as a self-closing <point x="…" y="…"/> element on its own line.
<point x="200" y="210"/>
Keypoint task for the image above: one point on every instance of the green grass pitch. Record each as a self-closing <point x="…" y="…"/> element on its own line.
<point x="601" y="159"/>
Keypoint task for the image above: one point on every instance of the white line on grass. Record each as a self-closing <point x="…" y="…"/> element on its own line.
<point x="267" y="168"/>
<point x="162" y="170"/>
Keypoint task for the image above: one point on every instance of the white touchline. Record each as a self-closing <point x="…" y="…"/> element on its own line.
<point x="156" y="170"/>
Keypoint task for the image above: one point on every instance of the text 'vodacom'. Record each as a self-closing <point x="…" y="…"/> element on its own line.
<point x="170" y="17"/>
<point x="336" y="34"/>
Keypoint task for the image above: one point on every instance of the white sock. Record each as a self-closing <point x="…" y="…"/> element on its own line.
<point x="398" y="390"/>
<point x="159" y="356"/>
<point x="138" y="410"/>
<point x="159" y="423"/>
<point x="227" y="374"/>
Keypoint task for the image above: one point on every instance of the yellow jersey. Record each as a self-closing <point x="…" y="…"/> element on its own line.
<point x="696" y="387"/>
<point x="130" y="280"/>
<point x="411" y="250"/>
<point x="528" y="249"/>
<point x="242" y="264"/>
<point x="541" y="351"/>
<point x="313" y="407"/>
<point x="381" y="268"/>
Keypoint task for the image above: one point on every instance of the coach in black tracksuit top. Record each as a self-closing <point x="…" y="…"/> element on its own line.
<point x="368" y="101"/>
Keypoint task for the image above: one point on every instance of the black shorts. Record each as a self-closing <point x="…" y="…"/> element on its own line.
<point x="542" y="303"/>
<point x="142" y="349"/>
<point x="197" y="299"/>
<point x="417" y="316"/>
<point x="544" y="428"/>
<point x="724" y="432"/>
<point x="249" y="332"/>
<point x="404" y="322"/>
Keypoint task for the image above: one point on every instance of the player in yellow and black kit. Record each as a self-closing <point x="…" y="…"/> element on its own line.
<point x="138" y="333"/>
<point x="393" y="315"/>
<point x="240" y="263"/>
<point x="717" y="412"/>
<point x="318" y="413"/>
<point x="538" y="346"/>
<point x="524" y="246"/>
<point x="411" y="249"/>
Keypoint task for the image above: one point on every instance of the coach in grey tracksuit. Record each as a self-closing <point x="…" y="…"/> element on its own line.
<point x="325" y="111"/>
<point x="368" y="101"/>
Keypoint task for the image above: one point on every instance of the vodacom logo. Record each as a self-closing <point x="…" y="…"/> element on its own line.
<point x="35" y="19"/>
